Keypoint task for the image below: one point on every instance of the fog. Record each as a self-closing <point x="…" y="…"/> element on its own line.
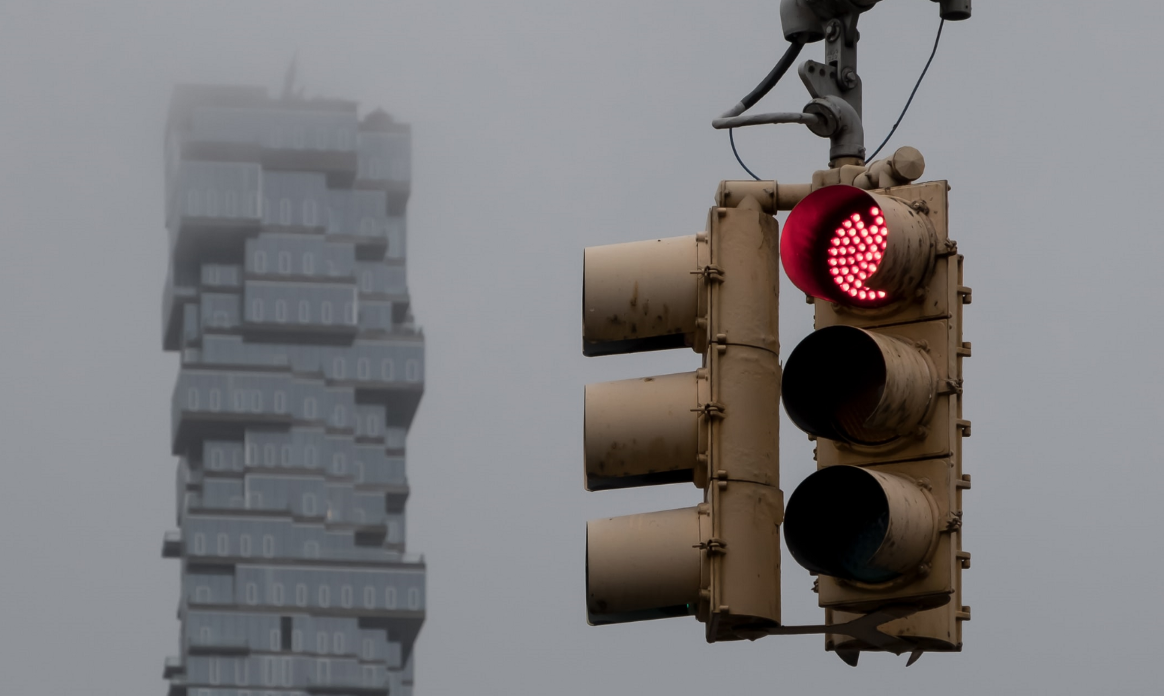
<point x="540" y="128"/>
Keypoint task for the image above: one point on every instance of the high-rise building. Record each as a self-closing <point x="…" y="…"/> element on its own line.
<point x="301" y="370"/>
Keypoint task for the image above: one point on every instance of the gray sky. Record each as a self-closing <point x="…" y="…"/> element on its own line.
<point x="541" y="128"/>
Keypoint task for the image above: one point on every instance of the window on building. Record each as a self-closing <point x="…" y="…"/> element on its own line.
<point x="259" y="261"/>
<point x="277" y="594"/>
<point x="363" y="369"/>
<point x="308" y="263"/>
<point x="199" y="543"/>
<point x="280" y="311"/>
<point x="285" y="211"/>
<point x="346" y="597"/>
<point x="325" y="313"/>
<point x="252" y="594"/>
<point x="309" y="505"/>
<point x="414" y="598"/>
<point x="309" y="212"/>
<point x="284" y="262"/>
<point x="412" y="370"/>
<point x="390" y="597"/>
<point x="268" y="546"/>
<point x="304" y="312"/>
<point x="324" y="596"/>
<point x="369" y="602"/>
<point x="244" y="542"/>
<point x="285" y="624"/>
<point x="223" y="544"/>
<point x="301" y="595"/>
<point x="321" y="643"/>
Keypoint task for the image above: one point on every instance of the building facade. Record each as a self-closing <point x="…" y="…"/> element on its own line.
<point x="301" y="371"/>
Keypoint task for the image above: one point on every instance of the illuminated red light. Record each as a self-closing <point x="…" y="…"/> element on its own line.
<point x="850" y="225"/>
<point x="851" y="256"/>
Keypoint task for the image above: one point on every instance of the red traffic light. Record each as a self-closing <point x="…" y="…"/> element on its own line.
<point x="857" y="248"/>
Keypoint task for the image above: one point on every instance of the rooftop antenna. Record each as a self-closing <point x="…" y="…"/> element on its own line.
<point x="289" y="78"/>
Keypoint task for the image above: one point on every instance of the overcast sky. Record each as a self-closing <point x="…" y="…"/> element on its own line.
<point x="540" y="128"/>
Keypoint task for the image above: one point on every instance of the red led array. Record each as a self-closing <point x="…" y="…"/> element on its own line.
<point x="855" y="252"/>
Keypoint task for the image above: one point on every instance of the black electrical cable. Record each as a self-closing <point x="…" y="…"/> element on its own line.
<point x="762" y="89"/>
<point x="910" y="100"/>
<point x="732" y="138"/>
<point x="774" y="76"/>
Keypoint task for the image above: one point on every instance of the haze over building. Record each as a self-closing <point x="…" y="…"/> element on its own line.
<point x="301" y="370"/>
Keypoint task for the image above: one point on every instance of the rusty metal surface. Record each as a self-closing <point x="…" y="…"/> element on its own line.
<point x="644" y="566"/>
<point x="640" y="296"/>
<point x="641" y="431"/>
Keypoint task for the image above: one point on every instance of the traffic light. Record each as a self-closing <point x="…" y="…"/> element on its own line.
<point x="878" y="385"/>
<point x="715" y="292"/>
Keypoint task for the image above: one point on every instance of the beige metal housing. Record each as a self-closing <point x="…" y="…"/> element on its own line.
<point x="928" y="453"/>
<point x="644" y="431"/>
<point x="716" y="292"/>
<point x="645" y="566"/>
<point x="643" y="296"/>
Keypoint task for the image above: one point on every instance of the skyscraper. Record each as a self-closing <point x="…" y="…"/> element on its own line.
<point x="301" y="371"/>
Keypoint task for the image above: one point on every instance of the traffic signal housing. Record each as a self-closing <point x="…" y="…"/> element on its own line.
<point x="715" y="292"/>
<point x="878" y="386"/>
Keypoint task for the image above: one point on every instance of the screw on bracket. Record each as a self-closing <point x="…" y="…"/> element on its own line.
<point x="710" y="410"/>
<point x="710" y="273"/>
